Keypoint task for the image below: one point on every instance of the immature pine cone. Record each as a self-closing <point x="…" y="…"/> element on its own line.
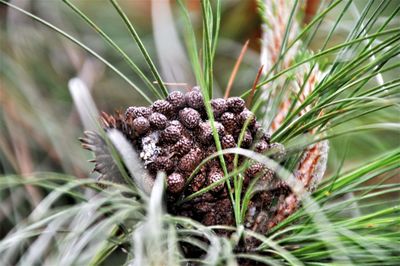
<point x="175" y="136"/>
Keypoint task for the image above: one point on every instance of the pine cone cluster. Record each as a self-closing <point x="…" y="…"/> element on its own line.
<point x="175" y="135"/>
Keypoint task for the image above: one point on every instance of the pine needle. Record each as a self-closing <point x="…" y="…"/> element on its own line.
<point x="254" y="87"/>
<point x="235" y="70"/>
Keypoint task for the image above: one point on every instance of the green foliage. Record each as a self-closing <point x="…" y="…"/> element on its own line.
<point x="352" y="218"/>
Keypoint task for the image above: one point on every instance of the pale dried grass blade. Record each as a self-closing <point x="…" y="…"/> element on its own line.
<point x="131" y="161"/>
<point x="84" y="103"/>
<point x="235" y="69"/>
<point x="171" y="54"/>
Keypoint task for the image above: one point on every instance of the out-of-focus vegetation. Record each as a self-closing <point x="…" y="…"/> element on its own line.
<point x="40" y="126"/>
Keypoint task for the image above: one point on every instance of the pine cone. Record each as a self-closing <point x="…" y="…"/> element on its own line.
<point x="177" y="99"/>
<point x="163" y="163"/>
<point x="158" y="120"/>
<point x="235" y="104"/>
<point x="198" y="182"/>
<point x="261" y="147"/>
<point x="189" y="162"/>
<point x="189" y="117"/>
<point x="247" y="115"/>
<point x="214" y="176"/>
<point x="228" y="141"/>
<point x="219" y="106"/>
<point x="229" y="120"/>
<point x="182" y="147"/>
<point x="175" y="182"/>
<point x="254" y="170"/>
<point x="172" y="133"/>
<point x="135" y="112"/>
<point x="194" y="99"/>
<point x="247" y="139"/>
<point x="174" y="136"/>
<point x="205" y="133"/>
<point x="141" y="125"/>
<point x="162" y="106"/>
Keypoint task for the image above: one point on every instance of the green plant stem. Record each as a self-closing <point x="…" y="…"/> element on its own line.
<point x="143" y="50"/>
<point x="134" y="67"/>
<point x="83" y="46"/>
